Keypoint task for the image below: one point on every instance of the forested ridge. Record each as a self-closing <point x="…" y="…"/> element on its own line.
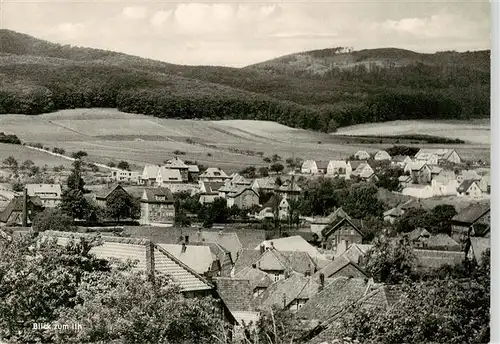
<point x="342" y="89"/>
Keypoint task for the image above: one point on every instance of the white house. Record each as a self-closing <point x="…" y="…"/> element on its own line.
<point x="124" y="176"/>
<point x="50" y="194"/>
<point x="401" y="160"/>
<point x="149" y="174"/>
<point x="214" y="174"/>
<point x="382" y="155"/>
<point x="167" y="176"/>
<point x="362" y="155"/>
<point x="309" y="167"/>
<point x="442" y="155"/>
<point x="339" y="168"/>
<point x="444" y="187"/>
<point x="364" y="171"/>
<point x="469" y="188"/>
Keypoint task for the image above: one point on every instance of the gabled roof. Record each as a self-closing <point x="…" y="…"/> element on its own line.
<point x="404" y="178"/>
<point x="333" y="298"/>
<point x="382" y="153"/>
<point x="465" y="185"/>
<point x="228" y="240"/>
<point x="472" y="213"/>
<point x="135" y="249"/>
<point x="284" y="291"/>
<point x="236" y="178"/>
<point x="16" y="206"/>
<point x="170" y="174"/>
<point x="362" y="152"/>
<point x="193" y="168"/>
<point x="416" y="166"/>
<point x="441" y="241"/>
<point x="337" y="164"/>
<point x="288" y="186"/>
<point x="241" y="190"/>
<point x="34" y="189"/>
<point x="245" y="259"/>
<point x="355" y="252"/>
<point x="355" y="163"/>
<point x="176" y="163"/>
<point x="257" y="278"/>
<point x="198" y="258"/>
<point x="236" y="294"/>
<point x="212" y="187"/>
<point x="273" y="259"/>
<point x="400" y="158"/>
<point x="214" y="172"/>
<point x="338" y="264"/>
<point x="150" y="195"/>
<point x="327" y="231"/>
<point x="292" y="243"/>
<point x="442" y="153"/>
<point x="107" y="190"/>
<point x="264" y="183"/>
<point x="150" y="171"/>
<point x="417" y="233"/>
<point x="382" y="297"/>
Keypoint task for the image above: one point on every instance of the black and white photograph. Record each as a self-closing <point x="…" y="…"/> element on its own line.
<point x="247" y="172"/>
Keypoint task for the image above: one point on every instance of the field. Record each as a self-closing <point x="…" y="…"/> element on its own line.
<point x="109" y="135"/>
<point x="472" y="131"/>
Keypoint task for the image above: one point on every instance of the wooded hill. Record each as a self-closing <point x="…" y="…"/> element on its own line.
<point x="318" y="90"/>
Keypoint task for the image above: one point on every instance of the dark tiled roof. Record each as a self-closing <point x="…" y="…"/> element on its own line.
<point x="107" y="190"/>
<point x="237" y="294"/>
<point x="284" y="291"/>
<point x="322" y="165"/>
<point x="336" y="265"/>
<point x="472" y="213"/>
<point x="213" y="187"/>
<point x="333" y="298"/>
<point x="246" y="257"/>
<point x="151" y="194"/>
<point x="466" y="184"/>
<point x="417" y="233"/>
<point x="273" y="259"/>
<point x="383" y="296"/>
<point x="16" y="206"/>
<point x="355" y="163"/>
<point x="355" y="223"/>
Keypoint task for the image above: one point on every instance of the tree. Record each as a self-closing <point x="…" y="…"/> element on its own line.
<point x="249" y="172"/>
<point x="332" y="126"/>
<point x="123" y="165"/>
<point x="180" y="218"/>
<point x="18" y="187"/>
<point x="275" y="327"/>
<point x="277" y="167"/>
<point x="121" y="205"/>
<point x="53" y="219"/>
<point x="275" y="158"/>
<point x="111" y="164"/>
<point x="11" y="162"/>
<point x="391" y="260"/>
<point x="215" y="212"/>
<point x="75" y="180"/>
<point x="439" y="218"/>
<point x="79" y="155"/>
<point x="27" y="164"/>
<point x="74" y="204"/>
<point x="362" y="201"/>
<point x="34" y="170"/>
<point x="263" y="171"/>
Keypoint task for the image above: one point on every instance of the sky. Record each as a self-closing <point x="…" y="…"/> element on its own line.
<point x="237" y="34"/>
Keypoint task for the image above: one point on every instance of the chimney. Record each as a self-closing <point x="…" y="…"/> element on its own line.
<point x="254" y="265"/>
<point x="186" y="239"/>
<point x="321" y="281"/>
<point x="183" y="249"/>
<point x="150" y="261"/>
<point x="272" y="244"/>
<point x="262" y="249"/>
<point x="25" y="207"/>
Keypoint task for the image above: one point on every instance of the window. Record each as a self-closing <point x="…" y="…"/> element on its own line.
<point x="276" y="277"/>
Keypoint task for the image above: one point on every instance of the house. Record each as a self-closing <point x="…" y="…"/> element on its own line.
<point x="392" y="215"/>
<point x="101" y="197"/>
<point x="470" y="189"/>
<point x="259" y="280"/>
<point x="346" y="229"/>
<point x="435" y="171"/>
<point x="277" y="264"/>
<point x="12" y="215"/>
<point x="238" y="180"/>
<point x="229" y="241"/>
<point x="435" y="156"/>
<point x="151" y="258"/>
<point x="223" y="256"/>
<point x="405" y="180"/>
<point x="214" y="174"/>
<point x="354" y="252"/>
<point x="362" y="155"/>
<point x="474" y="220"/>
<point x="309" y="167"/>
<point x="275" y="203"/>
<point x="473" y="175"/>
<point x="193" y="173"/>
<point x="289" y="189"/>
<point x="157" y="206"/>
<point x="342" y="266"/>
<point x="208" y="191"/>
<point x="149" y="175"/>
<point x="264" y="185"/>
<point x="290" y="244"/>
<point x="179" y="165"/>
<point x="401" y="160"/>
<point x="244" y="198"/>
<point x="364" y="171"/>
<point x="199" y="258"/>
<point x="339" y="168"/>
<point x="124" y="176"/>
<point x="318" y="224"/>
<point x="322" y="167"/>
<point x="333" y="297"/>
<point x="419" y="171"/>
<point x="237" y="295"/>
<point x="290" y="293"/>
<point x="167" y="177"/>
<point x="443" y="186"/>
<point x="421" y="238"/>
<point x="49" y="194"/>
<point x="382" y="155"/>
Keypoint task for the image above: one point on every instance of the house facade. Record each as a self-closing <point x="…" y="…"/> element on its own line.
<point x="339" y="168"/>
<point x="362" y="155"/>
<point x="157" y="206"/>
<point x="149" y="174"/>
<point x="435" y="156"/>
<point x="214" y="174"/>
<point x="103" y="195"/>
<point x="475" y="220"/>
<point x="49" y="194"/>
<point x="309" y="167"/>
<point x="382" y="155"/>
<point x="124" y="176"/>
<point x="420" y="172"/>
<point x="244" y="198"/>
<point x="344" y="230"/>
<point x="168" y="176"/>
<point x="469" y="188"/>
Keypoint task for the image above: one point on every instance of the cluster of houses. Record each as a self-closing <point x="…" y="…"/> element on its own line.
<point x="430" y="173"/>
<point x="251" y="276"/>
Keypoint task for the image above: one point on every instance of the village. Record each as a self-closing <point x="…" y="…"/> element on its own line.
<point x="268" y="238"/>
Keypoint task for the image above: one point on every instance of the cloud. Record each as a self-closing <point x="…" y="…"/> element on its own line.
<point x="135" y="12"/>
<point x="160" y="17"/>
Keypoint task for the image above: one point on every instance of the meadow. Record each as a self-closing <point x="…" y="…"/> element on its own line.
<point x="110" y="135"/>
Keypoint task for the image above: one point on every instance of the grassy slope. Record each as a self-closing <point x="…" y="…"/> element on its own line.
<point x="107" y="134"/>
